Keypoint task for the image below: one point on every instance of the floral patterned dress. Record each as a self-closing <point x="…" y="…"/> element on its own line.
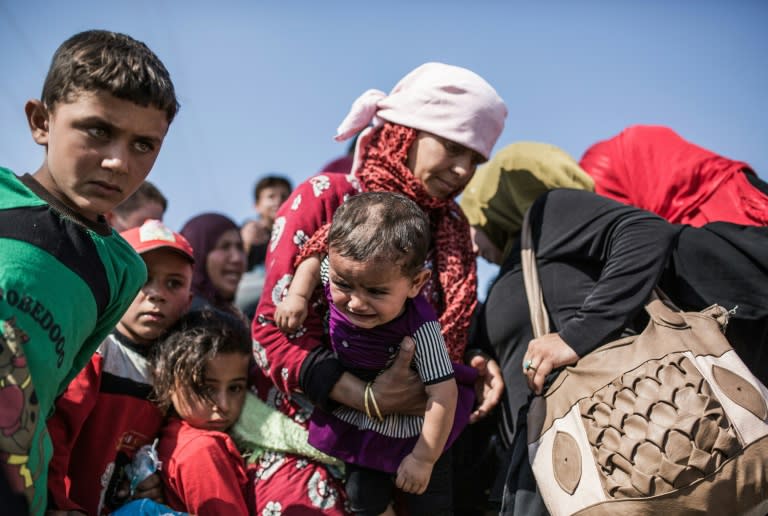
<point x="284" y="481"/>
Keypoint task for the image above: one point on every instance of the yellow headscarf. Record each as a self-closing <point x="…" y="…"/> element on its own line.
<point x="502" y="190"/>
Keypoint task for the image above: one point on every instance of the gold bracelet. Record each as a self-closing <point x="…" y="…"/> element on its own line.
<point x="373" y="402"/>
<point x="365" y="400"/>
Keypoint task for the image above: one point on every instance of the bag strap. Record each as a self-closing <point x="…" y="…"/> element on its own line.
<point x="536" y="306"/>
<point x="659" y="306"/>
<point x="663" y="310"/>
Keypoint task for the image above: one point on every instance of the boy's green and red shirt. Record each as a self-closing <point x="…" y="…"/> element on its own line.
<point x="64" y="284"/>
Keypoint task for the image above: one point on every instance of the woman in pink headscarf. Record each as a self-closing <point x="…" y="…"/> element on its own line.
<point x="428" y="135"/>
<point x="653" y="168"/>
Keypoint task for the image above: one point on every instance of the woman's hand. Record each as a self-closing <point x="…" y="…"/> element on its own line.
<point x="544" y="355"/>
<point x="398" y="390"/>
<point x="489" y="386"/>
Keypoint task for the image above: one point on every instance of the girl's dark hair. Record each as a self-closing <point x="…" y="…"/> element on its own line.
<point x="100" y="60"/>
<point x="382" y="227"/>
<point x="197" y="337"/>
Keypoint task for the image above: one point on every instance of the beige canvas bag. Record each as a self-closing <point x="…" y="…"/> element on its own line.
<point x="669" y="421"/>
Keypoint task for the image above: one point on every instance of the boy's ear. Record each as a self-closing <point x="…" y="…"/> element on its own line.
<point x="110" y="216"/>
<point x="189" y="286"/>
<point x="418" y="282"/>
<point x="37" y="118"/>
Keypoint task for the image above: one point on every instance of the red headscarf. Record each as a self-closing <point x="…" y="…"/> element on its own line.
<point x="383" y="168"/>
<point x="653" y="168"/>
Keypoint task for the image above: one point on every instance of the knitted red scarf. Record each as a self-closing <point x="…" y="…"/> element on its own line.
<point x="383" y="168"/>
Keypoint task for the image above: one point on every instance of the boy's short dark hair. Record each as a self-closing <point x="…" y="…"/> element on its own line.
<point x="381" y="227"/>
<point x="109" y="61"/>
<point x="270" y="182"/>
<point x="146" y="192"/>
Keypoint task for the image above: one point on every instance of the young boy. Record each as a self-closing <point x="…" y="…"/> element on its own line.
<point x="270" y="192"/>
<point x="145" y="203"/>
<point x="65" y="277"/>
<point x="105" y="413"/>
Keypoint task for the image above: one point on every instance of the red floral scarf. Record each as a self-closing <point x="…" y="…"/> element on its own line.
<point x="383" y="168"/>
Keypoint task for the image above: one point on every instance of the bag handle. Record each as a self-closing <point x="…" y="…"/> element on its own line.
<point x="663" y="310"/>
<point x="659" y="306"/>
<point x="536" y="306"/>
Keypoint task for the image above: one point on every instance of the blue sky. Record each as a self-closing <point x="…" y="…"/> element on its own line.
<point x="264" y="84"/>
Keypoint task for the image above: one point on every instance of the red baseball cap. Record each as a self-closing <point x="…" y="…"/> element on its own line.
<point x="153" y="234"/>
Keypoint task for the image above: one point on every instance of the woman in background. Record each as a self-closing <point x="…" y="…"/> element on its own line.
<point x="598" y="261"/>
<point x="654" y="168"/>
<point x="219" y="261"/>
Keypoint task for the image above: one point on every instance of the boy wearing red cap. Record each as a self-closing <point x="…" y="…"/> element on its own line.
<point x="105" y="414"/>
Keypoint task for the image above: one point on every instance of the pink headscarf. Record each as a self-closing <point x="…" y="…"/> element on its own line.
<point x="449" y="101"/>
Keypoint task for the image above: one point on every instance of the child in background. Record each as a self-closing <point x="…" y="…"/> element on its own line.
<point x="270" y="192"/>
<point x="200" y="373"/>
<point x="373" y="274"/>
<point x="105" y="414"/>
<point x="65" y="277"/>
<point x="145" y="203"/>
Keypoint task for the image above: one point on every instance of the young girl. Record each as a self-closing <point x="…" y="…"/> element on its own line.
<point x="373" y="275"/>
<point x="200" y="374"/>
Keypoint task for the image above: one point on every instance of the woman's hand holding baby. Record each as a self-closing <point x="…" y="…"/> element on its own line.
<point x="398" y="389"/>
